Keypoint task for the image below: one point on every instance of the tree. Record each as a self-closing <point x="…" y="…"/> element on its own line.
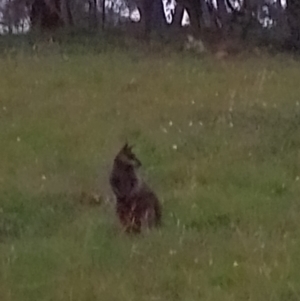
<point x="293" y="16"/>
<point x="158" y="18"/>
<point x="46" y="14"/>
<point x="68" y="14"/>
<point x="178" y="15"/>
<point x="223" y="15"/>
<point x="93" y="20"/>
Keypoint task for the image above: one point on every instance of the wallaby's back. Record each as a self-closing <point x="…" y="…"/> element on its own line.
<point x="123" y="178"/>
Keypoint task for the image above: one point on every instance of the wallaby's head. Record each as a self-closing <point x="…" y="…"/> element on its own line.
<point x="127" y="157"/>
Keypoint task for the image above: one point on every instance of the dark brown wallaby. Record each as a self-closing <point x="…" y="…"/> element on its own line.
<point x="137" y="205"/>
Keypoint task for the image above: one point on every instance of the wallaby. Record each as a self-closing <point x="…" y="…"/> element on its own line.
<point x="137" y="205"/>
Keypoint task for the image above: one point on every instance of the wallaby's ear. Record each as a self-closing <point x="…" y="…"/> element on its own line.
<point x="127" y="146"/>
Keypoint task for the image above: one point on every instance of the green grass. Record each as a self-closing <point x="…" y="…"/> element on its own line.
<point x="219" y="142"/>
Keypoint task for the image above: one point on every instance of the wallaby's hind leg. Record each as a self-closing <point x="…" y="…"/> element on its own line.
<point x="130" y="222"/>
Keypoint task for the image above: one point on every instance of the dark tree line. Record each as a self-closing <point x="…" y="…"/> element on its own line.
<point x="239" y="17"/>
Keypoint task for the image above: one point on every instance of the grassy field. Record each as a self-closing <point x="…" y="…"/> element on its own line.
<point x="220" y="144"/>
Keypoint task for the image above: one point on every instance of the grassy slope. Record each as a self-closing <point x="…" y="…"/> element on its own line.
<point x="230" y="189"/>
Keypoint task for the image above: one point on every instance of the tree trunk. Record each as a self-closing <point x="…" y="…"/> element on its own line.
<point x="69" y="20"/>
<point x="93" y="14"/>
<point x="214" y="19"/>
<point x="46" y="15"/>
<point x="178" y="15"/>
<point x="206" y="17"/>
<point x="146" y="10"/>
<point x="223" y="16"/>
<point x="103" y="14"/>
<point x="293" y="16"/>
<point x="158" y="19"/>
